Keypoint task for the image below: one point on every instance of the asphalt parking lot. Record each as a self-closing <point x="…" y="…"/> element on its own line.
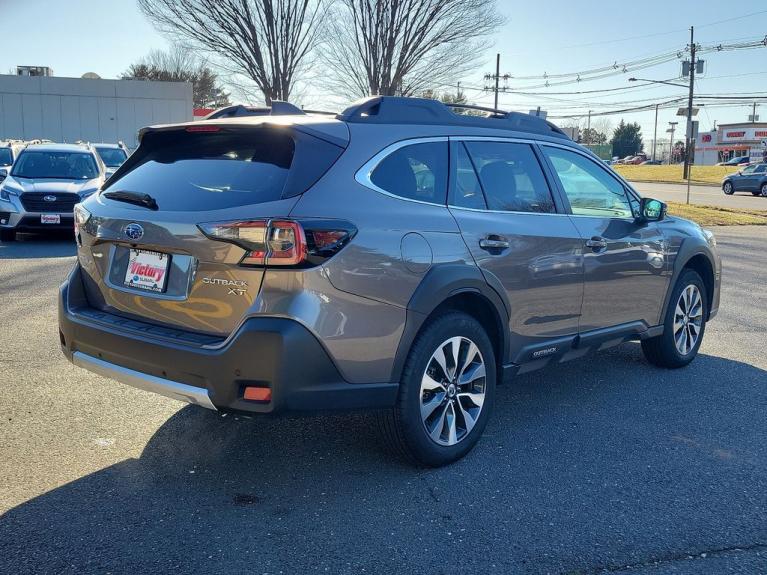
<point x="608" y="465"/>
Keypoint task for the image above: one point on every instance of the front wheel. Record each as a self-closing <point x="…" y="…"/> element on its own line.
<point x="447" y="392"/>
<point x="728" y="189"/>
<point x="684" y="324"/>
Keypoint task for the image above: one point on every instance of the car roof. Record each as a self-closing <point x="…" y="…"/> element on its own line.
<point x="106" y="145"/>
<point x="59" y="148"/>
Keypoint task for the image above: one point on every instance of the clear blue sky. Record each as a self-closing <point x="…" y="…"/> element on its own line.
<point x="552" y="36"/>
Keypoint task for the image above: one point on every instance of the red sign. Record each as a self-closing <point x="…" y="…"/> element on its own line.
<point x="735" y="134"/>
<point x="706" y="138"/>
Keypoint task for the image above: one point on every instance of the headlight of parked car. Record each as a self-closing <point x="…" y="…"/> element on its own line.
<point x="6" y="192"/>
<point x="710" y="237"/>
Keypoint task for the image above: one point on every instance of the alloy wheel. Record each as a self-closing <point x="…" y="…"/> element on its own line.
<point x="452" y="391"/>
<point x="688" y="319"/>
<point x="764" y="190"/>
<point x="728" y="188"/>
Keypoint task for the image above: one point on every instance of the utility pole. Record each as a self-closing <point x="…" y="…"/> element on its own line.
<point x="688" y="135"/>
<point x="655" y="136"/>
<point x="497" y="77"/>
<point x="588" y="129"/>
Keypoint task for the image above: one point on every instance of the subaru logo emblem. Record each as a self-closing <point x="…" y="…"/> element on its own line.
<point x="134" y="231"/>
<point x="49" y="198"/>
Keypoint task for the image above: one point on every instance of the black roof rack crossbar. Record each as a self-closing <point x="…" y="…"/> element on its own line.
<point x="399" y="110"/>
<point x="278" y="108"/>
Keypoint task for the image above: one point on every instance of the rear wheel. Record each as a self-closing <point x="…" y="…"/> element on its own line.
<point x="763" y="190"/>
<point x="727" y="188"/>
<point x="684" y="324"/>
<point x="446" y="392"/>
<point x="7" y="235"/>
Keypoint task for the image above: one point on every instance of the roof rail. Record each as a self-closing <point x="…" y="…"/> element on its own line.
<point x="399" y="110"/>
<point x="278" y="108"/>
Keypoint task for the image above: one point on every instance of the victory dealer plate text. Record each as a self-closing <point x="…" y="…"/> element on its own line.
<point x="147" y="270"/>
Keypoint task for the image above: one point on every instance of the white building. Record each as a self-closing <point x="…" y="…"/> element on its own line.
<point x="730" y="141"/>
<point x="94" y="110"/>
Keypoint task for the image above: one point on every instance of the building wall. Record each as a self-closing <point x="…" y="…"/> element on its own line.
<point x="71" y="109"/>
<point x="731" y="140"/>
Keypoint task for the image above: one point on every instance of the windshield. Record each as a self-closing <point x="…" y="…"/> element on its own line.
<point x="6" y="158"/>
<point x="55" y="165"/>
<point x="112" y="157"/>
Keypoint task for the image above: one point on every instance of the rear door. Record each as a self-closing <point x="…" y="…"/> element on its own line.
<point x="624" y="264"/>
<point x="520" y="239"/>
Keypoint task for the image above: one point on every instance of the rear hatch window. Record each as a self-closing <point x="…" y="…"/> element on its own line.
<point x="207" y="171"/>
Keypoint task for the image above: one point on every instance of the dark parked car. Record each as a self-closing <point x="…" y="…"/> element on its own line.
<point x="752" y="179"/>
<point x="736" y="161"/>
<point x="396" y="256"/>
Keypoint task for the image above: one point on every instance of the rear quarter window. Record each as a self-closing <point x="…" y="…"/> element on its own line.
<point x="415" y="172"/>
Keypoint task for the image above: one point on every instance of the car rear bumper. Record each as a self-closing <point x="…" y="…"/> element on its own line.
<point x="277" y="353"/>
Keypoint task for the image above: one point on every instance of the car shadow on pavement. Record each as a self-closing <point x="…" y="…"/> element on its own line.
<point x="59" y="244"/>
<point x="595" y="464"/>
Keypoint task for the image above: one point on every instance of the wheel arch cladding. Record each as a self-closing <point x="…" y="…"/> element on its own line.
<point x="705" y="269"/>
<point x="455" y="287"/>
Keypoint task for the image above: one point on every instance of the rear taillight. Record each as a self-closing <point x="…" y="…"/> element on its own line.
<point x="276" y="242"/>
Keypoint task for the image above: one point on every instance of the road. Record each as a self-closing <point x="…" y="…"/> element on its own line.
<point x="703" y="195"/>
<point x="608" y="465"/>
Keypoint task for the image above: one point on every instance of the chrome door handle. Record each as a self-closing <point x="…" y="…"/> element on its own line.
<point x="494" y="243"/>
<point x="596" y="243"/>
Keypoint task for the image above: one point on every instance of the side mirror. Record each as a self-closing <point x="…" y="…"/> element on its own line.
<point x="652" y="210"/>
<point x="3" y="174"/>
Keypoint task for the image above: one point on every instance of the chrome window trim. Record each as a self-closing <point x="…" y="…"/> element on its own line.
<point x="452" y="207"/>
<point x="362" y="176"/>
<point x="511" y="140"/>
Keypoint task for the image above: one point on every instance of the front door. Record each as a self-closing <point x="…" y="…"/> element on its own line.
<point x="521" y="241"/>
<point x="625" y="268"/>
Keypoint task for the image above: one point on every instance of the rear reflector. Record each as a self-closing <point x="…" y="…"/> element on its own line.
<point x="258" y="394"/>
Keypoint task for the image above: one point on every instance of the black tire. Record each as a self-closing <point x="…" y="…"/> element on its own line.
<point x="7" y="235"/>
<point x="662" y="350"/>
<point x="728" y="188"/>
<point x="763" y="190"/>
<point x="402" y="426"/>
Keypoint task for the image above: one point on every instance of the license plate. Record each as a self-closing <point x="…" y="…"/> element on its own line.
<point x="50" y="219"/>
<point x="147" y="270"/>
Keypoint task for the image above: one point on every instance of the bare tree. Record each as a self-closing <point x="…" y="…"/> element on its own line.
<point x="403" y="47"/>
<point x="180" y="65"/>
<point x="267" y="41"/>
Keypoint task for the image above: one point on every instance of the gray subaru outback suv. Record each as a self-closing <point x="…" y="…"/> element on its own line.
<point x="397" y="256"/>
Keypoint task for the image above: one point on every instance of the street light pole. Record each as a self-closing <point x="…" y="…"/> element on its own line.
<point x="671" y="144"/>
<point x="688" y="135"/>
<point x="655" y="136"/>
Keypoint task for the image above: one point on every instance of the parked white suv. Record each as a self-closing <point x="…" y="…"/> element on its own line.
<point x="43" y="186"/>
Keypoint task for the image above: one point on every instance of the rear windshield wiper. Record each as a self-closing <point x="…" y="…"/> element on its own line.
<point x="135" y="198"/>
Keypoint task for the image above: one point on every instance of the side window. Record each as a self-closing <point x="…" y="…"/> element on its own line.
<point x="511" y="177"/>
<point x="591" y="190"/>
<point x="760" y="169"/>
<point x="416" y="172"/>
<point x="465" y="191"/>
